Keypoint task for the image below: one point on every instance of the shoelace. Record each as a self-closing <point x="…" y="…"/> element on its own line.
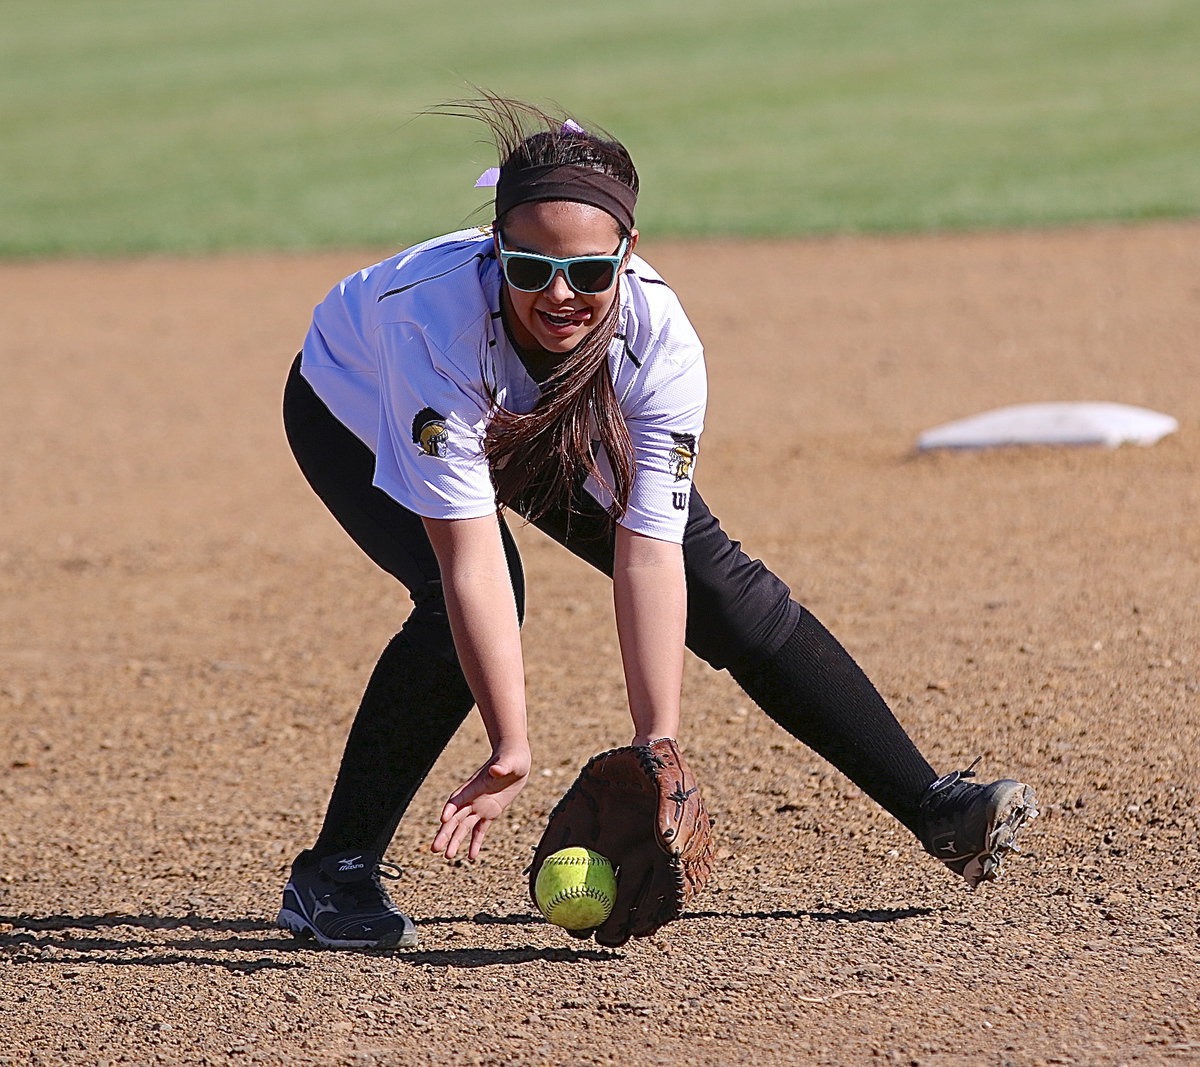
<point x="367" y="891"/>
<point x="948" y="780"/>
<point x="399" y="871"/>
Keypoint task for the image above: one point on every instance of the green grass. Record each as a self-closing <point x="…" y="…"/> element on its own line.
<point x="169" y="125"/>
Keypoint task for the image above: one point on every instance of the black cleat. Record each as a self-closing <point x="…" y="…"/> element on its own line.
<point x="971" y="827"/>
<point x="340" y="902"/>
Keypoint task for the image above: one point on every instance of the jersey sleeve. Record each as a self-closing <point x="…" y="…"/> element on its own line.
<point x="666" y="439"/>
<point x="664" y="412"/>
<point x="429" y="455"/>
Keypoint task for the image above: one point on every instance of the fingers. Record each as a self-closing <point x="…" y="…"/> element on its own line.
<point x="463" y="823"/>
<point x="441" y="839"/>
<point x="451" y="818"/>
<point x="461" y="826"/>
<point x="461" y="832"/>
<point x="477" y="836"/>
<point x="457" y="810"/>
<point x="471" y="810"/>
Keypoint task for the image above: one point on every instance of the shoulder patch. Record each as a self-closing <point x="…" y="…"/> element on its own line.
<point x="429" y="433"/>
<point x="683" y="455"/>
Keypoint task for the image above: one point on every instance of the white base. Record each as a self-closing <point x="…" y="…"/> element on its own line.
<point x="1052" y="424"/>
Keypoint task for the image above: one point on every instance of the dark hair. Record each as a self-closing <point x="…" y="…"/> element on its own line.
<point x="584" y="149"/>
<point x="537" y="459"/>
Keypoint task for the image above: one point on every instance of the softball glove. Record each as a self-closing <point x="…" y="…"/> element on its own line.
<point x="640" y="807"/>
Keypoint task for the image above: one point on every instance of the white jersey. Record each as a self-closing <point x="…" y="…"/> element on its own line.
<point x="409" y="354"/>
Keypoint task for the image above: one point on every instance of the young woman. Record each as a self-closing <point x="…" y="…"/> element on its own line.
<point x="538" y="365"/>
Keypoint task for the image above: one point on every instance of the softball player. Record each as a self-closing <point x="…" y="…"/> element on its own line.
<point x="539" y="365"/>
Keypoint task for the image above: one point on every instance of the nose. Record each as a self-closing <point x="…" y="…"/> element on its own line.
<point x="558" y="289"/>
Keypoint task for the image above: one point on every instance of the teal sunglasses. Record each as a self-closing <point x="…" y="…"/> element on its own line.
<point x="587" y="275"/>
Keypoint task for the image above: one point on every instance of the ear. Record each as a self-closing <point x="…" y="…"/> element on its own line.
<point x="633" y="240"/>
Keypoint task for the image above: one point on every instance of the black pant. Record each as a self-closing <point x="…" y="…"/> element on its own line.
<point x="740" y="617"/>
<point x="736" y="607"/>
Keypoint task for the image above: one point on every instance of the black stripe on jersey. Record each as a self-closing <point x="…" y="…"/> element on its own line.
<point x="432" y="277"/>
<point x="628" y="351"/>
<point x="647" y="281"/>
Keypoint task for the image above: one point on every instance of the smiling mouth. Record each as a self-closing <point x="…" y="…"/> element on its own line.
<point x="562" y="322"/>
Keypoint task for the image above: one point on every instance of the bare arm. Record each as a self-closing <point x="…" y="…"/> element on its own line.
<point x="650" y="598"/>
<point x="483" y="619"/>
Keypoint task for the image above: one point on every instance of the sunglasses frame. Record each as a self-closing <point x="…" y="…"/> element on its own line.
<point x="563" y="265"/>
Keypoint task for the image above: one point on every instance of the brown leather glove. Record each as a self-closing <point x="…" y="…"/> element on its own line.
<point x="641" y="808"/>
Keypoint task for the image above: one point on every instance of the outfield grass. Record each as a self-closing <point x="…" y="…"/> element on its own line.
<point x="150" y="125"/>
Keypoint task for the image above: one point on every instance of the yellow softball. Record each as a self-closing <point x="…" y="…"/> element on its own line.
<point x="576" y="888"/>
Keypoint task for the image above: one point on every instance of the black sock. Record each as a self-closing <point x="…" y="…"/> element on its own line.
<point x="412" y="706"/>
<point x="813" y="688"/>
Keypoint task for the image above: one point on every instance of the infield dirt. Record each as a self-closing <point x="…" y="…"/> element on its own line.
<point x="185" y="634"/>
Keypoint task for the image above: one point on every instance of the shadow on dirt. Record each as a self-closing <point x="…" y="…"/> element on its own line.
<point x="25" y="939"/>
<point x="26" y="943"/>
<point x="884" y="915"/>
<point x="189" y="960"/>
<point x="494" y="957"/>
<point x="482" y="918"/>
<point x="190" y="921"/>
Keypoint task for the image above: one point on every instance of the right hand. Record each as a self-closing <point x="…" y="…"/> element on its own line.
<point x="472" y="809"/>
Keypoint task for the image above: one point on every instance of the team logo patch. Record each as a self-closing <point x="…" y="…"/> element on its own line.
<point x="429" y="433"/>
<point x="683" y="455"/>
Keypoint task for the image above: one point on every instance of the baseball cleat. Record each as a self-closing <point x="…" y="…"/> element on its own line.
<point x="971" y="827"/>
<point x="341" y="903"/>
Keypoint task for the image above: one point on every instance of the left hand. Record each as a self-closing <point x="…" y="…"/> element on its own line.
<point x="472" y="809"/>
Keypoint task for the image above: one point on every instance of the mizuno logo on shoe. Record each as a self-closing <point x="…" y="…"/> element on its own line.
<point x="320" y="905"/>
<point x="352" y="863"/>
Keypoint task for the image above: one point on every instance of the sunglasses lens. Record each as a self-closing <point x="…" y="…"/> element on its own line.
<point x="586" y="274"/>
<point x="527" y="274"/>
<point x="590" y="275"/>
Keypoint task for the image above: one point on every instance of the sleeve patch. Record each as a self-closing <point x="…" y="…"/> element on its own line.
<point x="683" y="455"/>
<point x="429" y="433"/>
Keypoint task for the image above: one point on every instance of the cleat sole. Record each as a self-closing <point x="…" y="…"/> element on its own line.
<point x="302" y="930"/>
<point x="1016" y="810"/>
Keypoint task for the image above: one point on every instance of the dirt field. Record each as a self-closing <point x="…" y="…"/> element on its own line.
<point x="185" y="633"/>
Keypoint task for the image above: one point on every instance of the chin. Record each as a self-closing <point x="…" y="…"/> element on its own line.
<point x="561" y="345"/>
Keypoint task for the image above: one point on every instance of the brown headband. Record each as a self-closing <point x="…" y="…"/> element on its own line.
<point x="565" y="181"/>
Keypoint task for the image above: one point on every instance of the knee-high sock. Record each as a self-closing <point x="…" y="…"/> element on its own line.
<point x="813" y="688"/>
<point x="413" y="704"/>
